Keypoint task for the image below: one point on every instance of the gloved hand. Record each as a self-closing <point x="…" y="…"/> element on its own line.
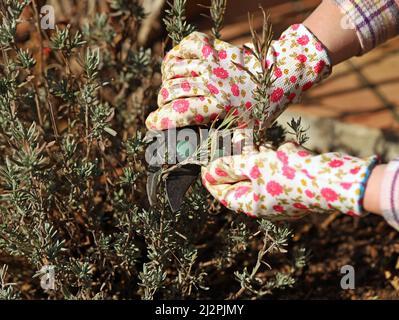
<point x="200" y="81"/>
<point x="289" y="183"/>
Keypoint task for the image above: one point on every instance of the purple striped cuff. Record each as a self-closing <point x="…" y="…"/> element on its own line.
<point x="375" y="21"/>
<point x="389" y="198"/>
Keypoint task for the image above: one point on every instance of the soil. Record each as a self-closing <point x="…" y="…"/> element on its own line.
<point x="368" y="244"/>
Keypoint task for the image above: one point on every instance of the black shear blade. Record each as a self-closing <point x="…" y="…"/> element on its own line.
<point x="153" y="179"/>
<point x="178" y="182"/>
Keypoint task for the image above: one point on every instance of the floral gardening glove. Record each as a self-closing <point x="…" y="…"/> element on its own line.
<point x="200" y="81"/>
<point x="289" y="183"/>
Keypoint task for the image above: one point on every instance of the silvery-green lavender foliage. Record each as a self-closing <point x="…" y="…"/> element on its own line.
<point x="72" y="174"/>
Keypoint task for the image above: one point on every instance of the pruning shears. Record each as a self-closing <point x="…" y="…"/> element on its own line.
<point x="179" y="180"/>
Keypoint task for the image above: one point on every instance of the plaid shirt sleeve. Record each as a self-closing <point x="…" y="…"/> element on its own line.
<point x="375" y="21"/>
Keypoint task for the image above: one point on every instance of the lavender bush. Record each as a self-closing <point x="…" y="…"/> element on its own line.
<point x="72" y="173"/>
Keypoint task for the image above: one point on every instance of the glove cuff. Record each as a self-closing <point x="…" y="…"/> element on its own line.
<point x="349" y="190"/>
<point x="340" y="183"/>
<point x="365" y="172"/>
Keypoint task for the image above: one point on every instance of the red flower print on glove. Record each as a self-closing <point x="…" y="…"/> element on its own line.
<point x="278" y="73"/>
<point x="288" y="172"/>
<point x="240" y="191"/>
<point x="274" y="188"/>
<point x="181" y="106"/>
<point x="329" y="194"/>
<point x="222" y="54"/>
<point x="255" y="173"/>
<point x="235" y="90"/>
<point x="220" y="73"/>
<point x="302" y="58"/>
<point x="278" y="208"/>
<point x="304" y="40"/>
<point x="320" y="66"/>
<point x="206" y="51"/>
<point x="164" y="92"/>
<point x="186" y="86"/>
<point x="335" y="163"/>
<point x="300" y="206"/>
<point x="212" y="89"/>
<point x="277" y="94"/>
